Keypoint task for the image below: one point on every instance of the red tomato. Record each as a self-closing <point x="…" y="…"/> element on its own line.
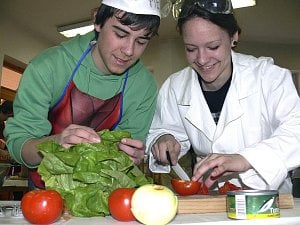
<point x="203" y="190"/>
<point x="42" y="206"/>
<point x="227" y="186"/>
<point x="183" y="187"/>
<point x="119" y="204"/>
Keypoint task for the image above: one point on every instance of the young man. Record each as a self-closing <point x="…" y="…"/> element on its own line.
<point x="92" y="82"/>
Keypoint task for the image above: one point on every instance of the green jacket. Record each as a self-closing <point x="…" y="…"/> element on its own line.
<point x="47" y="74"/>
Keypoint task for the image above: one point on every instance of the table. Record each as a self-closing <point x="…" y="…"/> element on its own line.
<point x="288" y="217"/>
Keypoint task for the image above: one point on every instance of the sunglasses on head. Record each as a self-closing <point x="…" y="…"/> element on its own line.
<point x="212" y="6"/>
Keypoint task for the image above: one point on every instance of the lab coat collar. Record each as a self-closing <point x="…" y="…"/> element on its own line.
<point x="198" y="114"/>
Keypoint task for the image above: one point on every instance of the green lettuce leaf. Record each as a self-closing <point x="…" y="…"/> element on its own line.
<point x="85" y="174"/>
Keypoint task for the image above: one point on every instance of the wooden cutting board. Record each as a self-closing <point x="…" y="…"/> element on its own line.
<point x="217" y="203"/>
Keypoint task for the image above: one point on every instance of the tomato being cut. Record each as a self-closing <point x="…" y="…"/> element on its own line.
<point x="42" y="206"/>
<point x="119" y="204"/>
<point x="183" y="187"/>
<point x="228" y="186"/>
<point x="203" y="189"/>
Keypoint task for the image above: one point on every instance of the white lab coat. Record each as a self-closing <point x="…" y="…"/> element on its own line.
<point x="260" y="120"/>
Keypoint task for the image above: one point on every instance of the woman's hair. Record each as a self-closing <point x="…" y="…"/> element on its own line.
<point x="225" y="21"/>
<point x="135" y="21"/>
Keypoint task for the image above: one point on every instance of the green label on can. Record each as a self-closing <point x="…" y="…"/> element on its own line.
<point x="243" y="206"/>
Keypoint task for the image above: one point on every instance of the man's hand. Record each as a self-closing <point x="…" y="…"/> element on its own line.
<point x="76" y="134"/>
<point x="134" y="148"/>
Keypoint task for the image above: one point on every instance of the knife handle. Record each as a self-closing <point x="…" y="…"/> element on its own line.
<point x="169" y="158"/>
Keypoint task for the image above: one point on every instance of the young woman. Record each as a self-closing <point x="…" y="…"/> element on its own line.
<point x="240" y="114"/>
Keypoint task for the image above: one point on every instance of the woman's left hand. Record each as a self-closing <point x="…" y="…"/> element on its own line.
<point x="215" y="165"/>
<point x="134" y="148"/>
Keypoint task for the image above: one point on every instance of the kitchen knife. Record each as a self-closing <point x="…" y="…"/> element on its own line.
<point x="178" y="169"/>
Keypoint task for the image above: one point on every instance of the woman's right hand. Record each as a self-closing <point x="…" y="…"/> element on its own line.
<point x="163" y="144"/>
<point x="76" y="134"/>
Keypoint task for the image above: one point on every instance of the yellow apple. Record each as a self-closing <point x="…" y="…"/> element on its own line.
<point x="153" y="204"/>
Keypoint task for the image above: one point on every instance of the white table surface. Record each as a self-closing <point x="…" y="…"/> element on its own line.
<point x="288" y="217"/>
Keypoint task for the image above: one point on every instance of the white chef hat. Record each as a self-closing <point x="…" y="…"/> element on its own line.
<point x="147" y="7"/>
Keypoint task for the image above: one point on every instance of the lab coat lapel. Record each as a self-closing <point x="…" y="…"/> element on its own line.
<point x="198" y="113"/>
<point x="242" y="86"/>
<point x="231" y="111"/>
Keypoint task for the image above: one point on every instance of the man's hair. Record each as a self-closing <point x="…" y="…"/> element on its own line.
<point x="135" y="21"/>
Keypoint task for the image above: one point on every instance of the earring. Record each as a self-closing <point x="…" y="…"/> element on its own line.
<point x="234" y="43"/>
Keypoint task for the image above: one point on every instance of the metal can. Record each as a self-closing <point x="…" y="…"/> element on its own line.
<point x="253" y="204"/>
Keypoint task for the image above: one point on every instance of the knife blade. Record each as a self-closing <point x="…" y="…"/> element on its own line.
<point x="178" y="169"/>
<point x="180" y="172"/>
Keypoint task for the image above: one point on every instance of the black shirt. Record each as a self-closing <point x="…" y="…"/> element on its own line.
<point x="215" y="99"/>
